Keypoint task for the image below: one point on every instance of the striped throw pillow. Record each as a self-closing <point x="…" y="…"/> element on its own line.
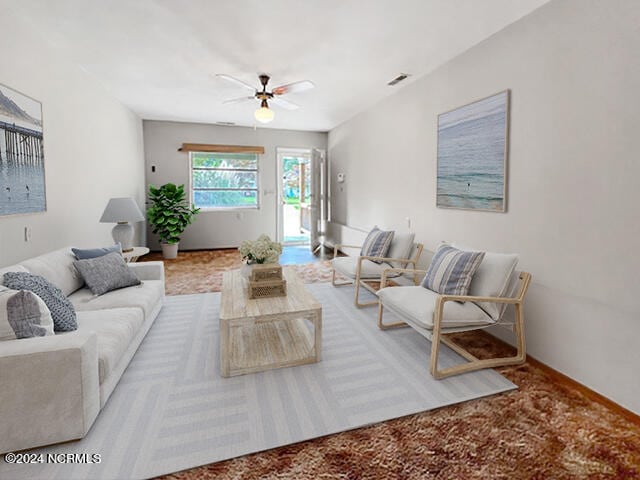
<point x="377" y="243"/>
<point x="451" y="270"/>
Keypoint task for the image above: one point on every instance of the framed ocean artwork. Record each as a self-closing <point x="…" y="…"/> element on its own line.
<point x="473" y="144"/>
<point x="22" y="180"/>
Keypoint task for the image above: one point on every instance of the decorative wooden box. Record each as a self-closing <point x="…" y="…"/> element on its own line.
<point x="266" y="271"/>
<point x="267" y="288"/>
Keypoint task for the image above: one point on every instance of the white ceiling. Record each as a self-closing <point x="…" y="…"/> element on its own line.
<point x="159" y="57"/>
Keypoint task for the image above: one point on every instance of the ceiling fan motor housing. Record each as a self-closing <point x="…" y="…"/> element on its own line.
<point x="264" y="79"/>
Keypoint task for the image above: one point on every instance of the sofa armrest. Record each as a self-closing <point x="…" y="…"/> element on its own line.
<point x="148" y="270"/>
<point x="50" y="389"/>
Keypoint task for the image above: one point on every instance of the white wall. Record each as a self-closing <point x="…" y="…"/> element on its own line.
<point x="93" y="147"/>
<point x="573" y="193"/>
<point x="224" y="228"/>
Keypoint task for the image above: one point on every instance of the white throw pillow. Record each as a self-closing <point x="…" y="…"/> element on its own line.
<point x="23" y="315"/>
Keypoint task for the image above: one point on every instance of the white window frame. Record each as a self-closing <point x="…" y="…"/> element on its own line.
<point x="192" y="190"/>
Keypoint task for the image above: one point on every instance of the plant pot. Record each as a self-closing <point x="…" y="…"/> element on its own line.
<point x="169" y="250"/>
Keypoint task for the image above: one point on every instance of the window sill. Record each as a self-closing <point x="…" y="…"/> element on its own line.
<point x="226" y="209"/>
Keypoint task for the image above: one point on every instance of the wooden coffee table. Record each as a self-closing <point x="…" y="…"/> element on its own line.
<point x="267" y="333"/>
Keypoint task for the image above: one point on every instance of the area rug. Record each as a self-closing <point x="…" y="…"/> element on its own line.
<point x="172" y="410"/>
<point x="201" y="271"/>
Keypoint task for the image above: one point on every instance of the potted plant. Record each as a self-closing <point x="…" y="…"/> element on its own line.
<point x="169" y="215"/>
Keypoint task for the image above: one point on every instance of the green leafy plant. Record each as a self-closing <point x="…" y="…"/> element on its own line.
<point x="169" y="213"/>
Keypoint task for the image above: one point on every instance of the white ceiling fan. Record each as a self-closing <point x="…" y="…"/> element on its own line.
<point x="264" y="114"/>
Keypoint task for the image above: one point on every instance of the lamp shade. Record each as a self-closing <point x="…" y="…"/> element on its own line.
<point x="121" y="210"/>
<point x="264" y="114"/>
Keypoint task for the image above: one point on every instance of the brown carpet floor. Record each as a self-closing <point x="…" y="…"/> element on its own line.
<point x="543" y="430"/>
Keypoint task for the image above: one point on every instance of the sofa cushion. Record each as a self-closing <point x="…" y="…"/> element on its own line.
<point x="418" y="304"/>
<point x="347" y="266"/>
<point x="23" y="315"/>
<point x="451" y="270"/>
<point x="106" y="273"/>
<point x="115" y="329"/>
<point x="377" y="243"/>
<point x="401" y="247"/>
<point x="62" y="311"/>
<point x="144" y="296"/>
<point x="57" y="267"/>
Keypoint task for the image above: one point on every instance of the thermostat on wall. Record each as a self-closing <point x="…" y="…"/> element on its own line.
<point x="341" y="178"/>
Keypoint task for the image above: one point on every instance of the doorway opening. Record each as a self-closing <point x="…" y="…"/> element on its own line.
<point x="294" y="179"/>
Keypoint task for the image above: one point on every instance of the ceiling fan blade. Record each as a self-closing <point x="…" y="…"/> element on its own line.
<point x="294" y="87"/>
<point x="234" y="80"/>
<point x="286" y="104"/>
<point x="238" y="100"/>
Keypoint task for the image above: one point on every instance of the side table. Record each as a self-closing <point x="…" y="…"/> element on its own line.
<point x="133" y="255"/>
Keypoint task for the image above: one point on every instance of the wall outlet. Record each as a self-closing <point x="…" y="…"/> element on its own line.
<point x="27" y="234"/>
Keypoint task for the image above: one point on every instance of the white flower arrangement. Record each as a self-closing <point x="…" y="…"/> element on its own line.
<point x="262" y="250"/>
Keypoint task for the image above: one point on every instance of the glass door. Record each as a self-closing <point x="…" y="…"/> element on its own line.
<point x="294" y="196"/>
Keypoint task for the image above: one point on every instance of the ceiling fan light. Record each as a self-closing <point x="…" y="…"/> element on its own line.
<point x="264" y="114"/>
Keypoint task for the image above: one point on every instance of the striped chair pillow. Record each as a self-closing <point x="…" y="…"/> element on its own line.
<point x="451" y="270"/>
<point x="377" y="243"/>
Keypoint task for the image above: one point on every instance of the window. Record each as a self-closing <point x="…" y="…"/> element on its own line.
<point x="224" y="180"/>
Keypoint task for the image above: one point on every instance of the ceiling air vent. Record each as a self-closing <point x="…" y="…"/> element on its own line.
<point x="226" y="124"/>
<point x="398" y="79"/>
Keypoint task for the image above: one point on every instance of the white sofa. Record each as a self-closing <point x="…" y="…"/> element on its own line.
<point x="52" y="388"/>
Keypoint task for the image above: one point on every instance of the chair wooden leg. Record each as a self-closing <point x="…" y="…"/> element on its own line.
<point x="519" y="331"/>
<point x="336" y="283"/>
<point x="435" y="341"/>
<point x="474" y="363"/>
<point x="388" y="326"/>
<point x="356" y="299"/>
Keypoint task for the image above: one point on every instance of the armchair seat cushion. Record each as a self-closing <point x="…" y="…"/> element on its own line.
<point x="347" y="267"/>
<point x="418" y="305"/>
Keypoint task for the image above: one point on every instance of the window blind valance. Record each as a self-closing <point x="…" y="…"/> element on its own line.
<point x="204" y="147"/>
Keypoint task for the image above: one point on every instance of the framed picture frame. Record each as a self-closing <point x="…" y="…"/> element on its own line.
<point x="22" y="169"/>
<point x="473" y="150"/>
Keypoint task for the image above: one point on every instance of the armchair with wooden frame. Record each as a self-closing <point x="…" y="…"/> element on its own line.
<point x="362" y="269"/>
<point x="434" y="315"/>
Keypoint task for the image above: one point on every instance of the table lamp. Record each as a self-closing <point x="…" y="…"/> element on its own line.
<point x="122" y="211"/>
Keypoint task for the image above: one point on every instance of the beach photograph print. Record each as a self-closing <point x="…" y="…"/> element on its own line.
<point x="22" y="185"/>
<point x="472" y="155"/>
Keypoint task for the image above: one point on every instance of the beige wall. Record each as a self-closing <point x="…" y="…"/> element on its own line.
<point x="573" y="188"/>
<point x="93" y="147"/>
<point x="230" y="227"/>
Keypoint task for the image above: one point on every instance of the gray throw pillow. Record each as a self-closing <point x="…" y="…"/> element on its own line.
<point x="23" y="315"/>
<point x="83" y="254"/>
<point x="451" y="270"/>
<point x="62" y="311"/>
<point x="106" y="273"/>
